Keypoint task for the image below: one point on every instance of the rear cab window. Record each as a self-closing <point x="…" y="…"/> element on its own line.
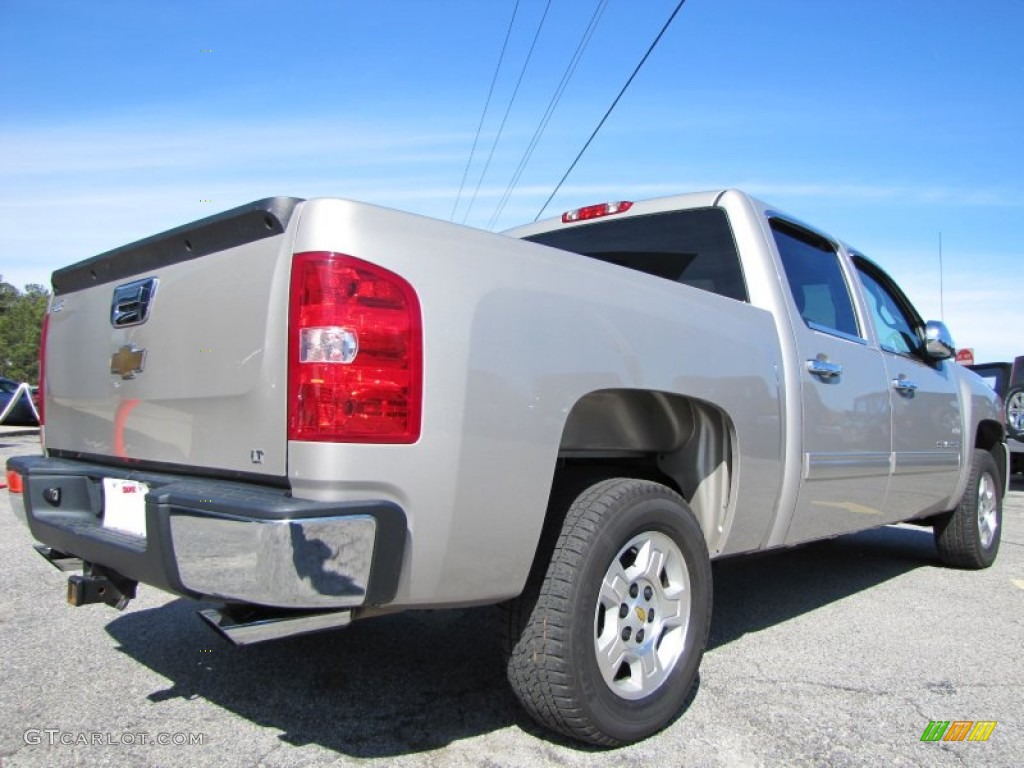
<point x="694" y="247"/>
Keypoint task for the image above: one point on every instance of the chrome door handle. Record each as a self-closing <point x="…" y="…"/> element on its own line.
<point x="823" y="369"/>
<point x="904" y="386"/>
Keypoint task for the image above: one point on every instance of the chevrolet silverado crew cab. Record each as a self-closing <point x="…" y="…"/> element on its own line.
<point x="315" y="411"/>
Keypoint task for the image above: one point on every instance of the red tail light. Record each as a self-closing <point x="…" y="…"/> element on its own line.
<point x="41" y="404"/>
<point x="355" y="358"/>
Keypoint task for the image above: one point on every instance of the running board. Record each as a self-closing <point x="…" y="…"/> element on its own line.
<point x="258" y="628"/>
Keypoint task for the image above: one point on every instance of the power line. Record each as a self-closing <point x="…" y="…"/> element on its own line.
<point x="508" y="109"/>
<point x="606" y="114"/>
<point x="487" y="104"/>
<point x="570" y="70"/>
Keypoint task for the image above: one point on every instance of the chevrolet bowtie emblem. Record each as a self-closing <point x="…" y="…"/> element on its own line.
<point x="128" y="361"/>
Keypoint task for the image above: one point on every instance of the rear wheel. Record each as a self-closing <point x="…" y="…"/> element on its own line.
<point x="605" y="647"/>
<point x="968" y="537"/>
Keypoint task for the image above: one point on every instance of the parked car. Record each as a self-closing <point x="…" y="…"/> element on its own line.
<point x="1007" y="379"/>
<point x="16" y="408"/>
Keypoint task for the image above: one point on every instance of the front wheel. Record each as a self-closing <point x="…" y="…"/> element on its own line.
<point x="968" y="537"/>
<point x="605" y="648"/>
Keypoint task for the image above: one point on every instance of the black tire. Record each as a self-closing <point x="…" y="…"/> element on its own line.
<point x="1014" y="404"/>
<point x="554" y="630"/>
<point x="968" y="537"/>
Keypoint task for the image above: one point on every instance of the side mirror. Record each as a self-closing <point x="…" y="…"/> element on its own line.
<point x="938" y="343"/>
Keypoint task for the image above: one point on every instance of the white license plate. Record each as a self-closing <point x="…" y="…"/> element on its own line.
<point x="124" y="505"/>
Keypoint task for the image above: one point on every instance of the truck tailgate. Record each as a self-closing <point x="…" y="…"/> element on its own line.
<point x="172" y="350"/>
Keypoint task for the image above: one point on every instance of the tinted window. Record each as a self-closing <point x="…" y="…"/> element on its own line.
<point x="815" y="279"/>
<point x="895" y="322"/>
<point x="694" y="247"/>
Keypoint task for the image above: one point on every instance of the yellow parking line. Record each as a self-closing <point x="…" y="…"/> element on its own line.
<point x="1018" y="582"/>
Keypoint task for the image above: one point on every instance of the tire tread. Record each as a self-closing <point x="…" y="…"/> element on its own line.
<point x="956" y="534"/>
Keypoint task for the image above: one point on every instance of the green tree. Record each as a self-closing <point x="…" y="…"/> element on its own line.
<point x="21" y="321"/>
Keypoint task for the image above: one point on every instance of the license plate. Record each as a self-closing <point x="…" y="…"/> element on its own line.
<point x="124" y="505"/>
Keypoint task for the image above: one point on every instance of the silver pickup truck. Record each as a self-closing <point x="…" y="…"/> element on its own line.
<point x="311" y="412"/>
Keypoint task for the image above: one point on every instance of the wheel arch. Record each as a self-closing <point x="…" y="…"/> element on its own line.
<point x="990" y="437"/>
<point x="683" y="442"/>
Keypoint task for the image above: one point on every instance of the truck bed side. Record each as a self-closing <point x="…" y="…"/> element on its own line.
<point x="517" y="336"/>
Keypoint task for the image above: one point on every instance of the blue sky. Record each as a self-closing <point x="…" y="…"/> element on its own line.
<point x="882" y="122"/>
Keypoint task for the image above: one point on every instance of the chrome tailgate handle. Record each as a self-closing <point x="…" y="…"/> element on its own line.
<point x="823" y="369"/>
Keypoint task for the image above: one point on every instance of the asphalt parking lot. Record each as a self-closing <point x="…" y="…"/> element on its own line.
<point x="839" y="653"/>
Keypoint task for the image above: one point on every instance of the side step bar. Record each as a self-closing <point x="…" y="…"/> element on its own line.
<point x="258" y="627"/>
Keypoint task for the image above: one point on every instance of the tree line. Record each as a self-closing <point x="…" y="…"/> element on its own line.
<point x="21" y="321"/>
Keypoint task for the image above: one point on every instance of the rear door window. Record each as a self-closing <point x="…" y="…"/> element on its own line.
<point x="816" y="279"/>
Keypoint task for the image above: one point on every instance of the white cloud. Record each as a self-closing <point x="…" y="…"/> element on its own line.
<point x="982" y="309"/>
<point x="135" y="144"/>
<point x="71" y="191"/>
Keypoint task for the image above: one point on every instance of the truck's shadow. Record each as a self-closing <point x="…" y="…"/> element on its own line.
<point x="387" y="686"/>
<point x="754" y="593"/>
<point x="419" y="681"/>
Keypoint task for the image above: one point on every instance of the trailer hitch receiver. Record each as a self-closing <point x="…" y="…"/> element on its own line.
<point x="97" y="585"/>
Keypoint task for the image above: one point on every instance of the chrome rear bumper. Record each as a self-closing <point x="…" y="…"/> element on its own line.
<point x="234" y="541"/>
<point x="320" y="562"/>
